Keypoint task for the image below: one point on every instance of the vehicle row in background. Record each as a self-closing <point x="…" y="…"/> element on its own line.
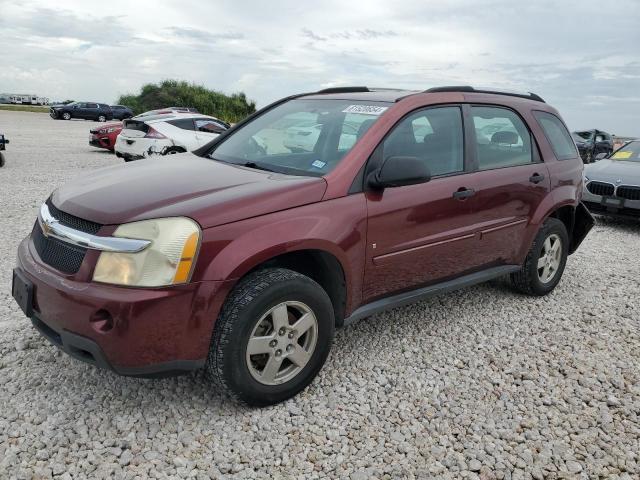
<point x="3" y="142"/>
<point x="166" y="134"/>
<point x="592" y="142"/>
<point x="612" y="185"/>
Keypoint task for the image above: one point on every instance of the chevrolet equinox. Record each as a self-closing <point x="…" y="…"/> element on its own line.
<point x="244" y="256"/>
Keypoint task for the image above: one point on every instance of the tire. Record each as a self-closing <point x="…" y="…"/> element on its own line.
<point x="533" y="279"/>
<point x="66" y="116"/>
<point x="1" y="160"/>
<point x="102" y="118"/>
<point x="250" y="311"/>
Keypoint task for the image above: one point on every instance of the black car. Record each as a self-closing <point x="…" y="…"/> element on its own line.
<point x="120" y="112"/>
<point x="3" y="142"/>
<point x="87" y="110"/>
<point x="592" y="142"/>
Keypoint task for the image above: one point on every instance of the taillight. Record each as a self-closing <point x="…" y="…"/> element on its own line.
<point x="153" y="133"/>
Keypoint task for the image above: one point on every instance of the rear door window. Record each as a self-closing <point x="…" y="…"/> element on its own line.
<point x="503" y="140"/>
<point x="91" y="105"/>
<point x="557" y="135"/>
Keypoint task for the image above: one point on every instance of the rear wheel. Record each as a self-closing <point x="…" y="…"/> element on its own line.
<point x="545" y="262"/>
<point x="1" y="160"/>
<point x="272" y="337"/>
<point x="102" y="118"/>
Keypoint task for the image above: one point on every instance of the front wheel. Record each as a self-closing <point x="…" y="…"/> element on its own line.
<point x="545" y="262"/>
<point x="102" y="118"/>
<point x="272" y="337"/>
<point x="66" y="116"/>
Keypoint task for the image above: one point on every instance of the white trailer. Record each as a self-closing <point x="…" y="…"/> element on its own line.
<point x="21" y="99"/>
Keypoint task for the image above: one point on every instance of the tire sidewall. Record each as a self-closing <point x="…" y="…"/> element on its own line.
<point x="235" y="370"/>
<point x="66" y="116"/>
<point x="550" y="227"/>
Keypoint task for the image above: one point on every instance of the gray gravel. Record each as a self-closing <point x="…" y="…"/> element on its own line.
<point x="482" y="383"/>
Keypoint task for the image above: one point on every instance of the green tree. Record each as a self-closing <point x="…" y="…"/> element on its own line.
<point x="176" y="93"/>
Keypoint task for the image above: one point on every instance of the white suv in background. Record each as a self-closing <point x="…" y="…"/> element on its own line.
<point x="166" y="134"/>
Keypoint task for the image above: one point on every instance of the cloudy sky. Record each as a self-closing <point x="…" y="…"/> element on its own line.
<point x="581" y="56"/>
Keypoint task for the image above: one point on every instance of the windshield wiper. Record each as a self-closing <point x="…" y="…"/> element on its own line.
<point x="257" y="166"/>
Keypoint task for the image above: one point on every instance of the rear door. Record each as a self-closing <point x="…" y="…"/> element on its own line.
<point x="420" y="234"/>
<point x="510" y="183"/>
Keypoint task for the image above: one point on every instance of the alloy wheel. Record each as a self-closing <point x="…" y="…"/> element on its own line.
<point x="550" y="258"/>
<point x="282" y="343"/>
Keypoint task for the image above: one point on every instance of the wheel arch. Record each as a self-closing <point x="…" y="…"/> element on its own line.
<point x="322" y="267"/>
<point x="316" y="261"/>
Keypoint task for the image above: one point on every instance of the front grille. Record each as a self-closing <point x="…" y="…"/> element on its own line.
<point x="72" y="221"/>
<point x="600" y="188"/>
<point x="60" y="255"/>
<point x="629" y="192"/>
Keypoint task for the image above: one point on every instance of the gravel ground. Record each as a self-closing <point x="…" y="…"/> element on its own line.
<point x="482" y="383"/>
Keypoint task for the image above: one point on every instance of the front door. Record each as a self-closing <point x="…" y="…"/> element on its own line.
<point x="420" y="234"/>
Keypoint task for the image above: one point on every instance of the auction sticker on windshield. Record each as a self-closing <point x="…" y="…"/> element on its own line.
<point x="622" y="155"/>
<point x="365" y="109"/>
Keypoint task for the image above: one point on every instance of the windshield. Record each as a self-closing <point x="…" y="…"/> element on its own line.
<point x="300" y="137"/>
<point x="582" y="136"/>
<point x="630" y="152"/>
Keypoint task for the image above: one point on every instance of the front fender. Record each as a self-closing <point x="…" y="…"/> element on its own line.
<point x="337" y="227"/>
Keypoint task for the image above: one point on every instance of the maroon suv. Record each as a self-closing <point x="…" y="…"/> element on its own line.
<point x="244" y="256"/>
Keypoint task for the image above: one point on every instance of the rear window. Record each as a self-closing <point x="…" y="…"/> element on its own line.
<point x="183" y="123"/>
<point x="557" y="134"/>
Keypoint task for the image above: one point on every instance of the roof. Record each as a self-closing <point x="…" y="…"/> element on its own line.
<point x="360" y="94"/>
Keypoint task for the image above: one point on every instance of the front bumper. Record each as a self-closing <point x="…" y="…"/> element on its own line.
<point x="155" y="332"/>
<point x="597" y="204"/>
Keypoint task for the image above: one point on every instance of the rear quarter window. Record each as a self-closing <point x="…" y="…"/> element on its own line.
<point x="557" y="134"/>
<point x="183" y="123"/>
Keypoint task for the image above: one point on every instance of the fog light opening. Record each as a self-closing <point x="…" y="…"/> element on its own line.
<point x="101" y="321"/>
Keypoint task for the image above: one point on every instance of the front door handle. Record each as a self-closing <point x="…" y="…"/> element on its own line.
<point x="464" y="193"/>
<point x="536" y="178"/>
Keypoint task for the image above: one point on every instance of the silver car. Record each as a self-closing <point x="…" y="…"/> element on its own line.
<point x="612" y="184"/>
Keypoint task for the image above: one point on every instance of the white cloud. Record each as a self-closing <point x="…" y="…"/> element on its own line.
<point x="588" y="69"/>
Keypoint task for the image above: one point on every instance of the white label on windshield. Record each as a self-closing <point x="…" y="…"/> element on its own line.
<point x="365" y="109"/>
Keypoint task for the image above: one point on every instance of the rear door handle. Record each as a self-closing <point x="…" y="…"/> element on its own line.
<point x="536" y="178"/>
<point x="464" y="193"/>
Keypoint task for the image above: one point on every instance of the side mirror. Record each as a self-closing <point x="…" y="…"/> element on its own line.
<point x="601" y="155"/>
<point x="398" y="172"/>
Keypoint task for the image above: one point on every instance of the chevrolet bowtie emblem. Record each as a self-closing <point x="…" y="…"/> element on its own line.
<point x="47" y="225"/>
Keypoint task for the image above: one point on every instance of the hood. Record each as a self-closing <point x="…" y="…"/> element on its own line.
<point x="210" y="192"/>
<point x="613" y="170"/>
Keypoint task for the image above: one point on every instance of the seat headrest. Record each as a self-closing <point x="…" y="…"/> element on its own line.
<point x="504" y="137"/>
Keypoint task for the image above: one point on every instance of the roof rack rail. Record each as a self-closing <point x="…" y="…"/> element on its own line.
<point x="468" y="88"/>
<point x="344" y="90"/>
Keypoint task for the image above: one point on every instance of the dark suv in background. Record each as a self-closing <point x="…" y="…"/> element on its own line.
<point x="120" y="112"/>
<point x="590" y="143"/>
<point x="243" y="257"/>
<point x="99" y="112"/>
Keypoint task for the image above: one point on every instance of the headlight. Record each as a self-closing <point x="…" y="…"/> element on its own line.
<point x="168" y="260"/>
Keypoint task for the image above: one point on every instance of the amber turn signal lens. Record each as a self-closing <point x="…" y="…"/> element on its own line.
<point x="186" y="260"/>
